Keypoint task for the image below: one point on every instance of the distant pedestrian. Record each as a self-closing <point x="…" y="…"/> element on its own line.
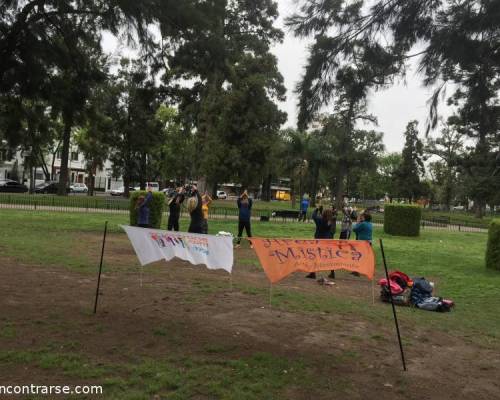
<point x="142" y="207"/>
<point x="206" y="201"/>
<point x="304" y="205"/>
<point x="174" y="207"/>
<point x="194" y="204"/>
<point x="245" y="213"/>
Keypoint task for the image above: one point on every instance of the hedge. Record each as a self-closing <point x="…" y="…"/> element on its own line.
<point x="402" y="219"/>
<point x="155" y="208"/>
<point x="493" y="247"/>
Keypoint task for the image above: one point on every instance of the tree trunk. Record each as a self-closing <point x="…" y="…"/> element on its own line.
<point x="266" y="188"/>
<point x="314" y="184"/>
<point x="63" y="177"/>
<point x="339" y="188"/>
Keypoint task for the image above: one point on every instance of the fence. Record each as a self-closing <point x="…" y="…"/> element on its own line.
<point x="119" y="205"/>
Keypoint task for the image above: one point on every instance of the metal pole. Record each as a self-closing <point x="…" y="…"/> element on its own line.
<point x="100" y="266"/>
<point x="393" y="307"/>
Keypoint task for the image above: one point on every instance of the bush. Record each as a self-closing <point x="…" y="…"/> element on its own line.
<point x="493" y="247"/>
<point x="402" y="219"/>
<point x="155" y="208"/>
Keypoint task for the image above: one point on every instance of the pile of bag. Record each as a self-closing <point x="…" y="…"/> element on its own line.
<point x="417" y="292"/>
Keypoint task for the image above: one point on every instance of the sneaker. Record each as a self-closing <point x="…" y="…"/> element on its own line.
<point x="237" y="246"/>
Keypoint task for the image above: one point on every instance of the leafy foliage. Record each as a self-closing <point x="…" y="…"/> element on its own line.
<point x="402" y="220"/>
<point x="493" y="247"/>
<point x="155" y="208"/>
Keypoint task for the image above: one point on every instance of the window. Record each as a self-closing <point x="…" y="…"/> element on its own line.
<point x="74" y="156"/>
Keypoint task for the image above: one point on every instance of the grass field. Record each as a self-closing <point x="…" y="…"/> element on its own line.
<point x="70" y="244"/>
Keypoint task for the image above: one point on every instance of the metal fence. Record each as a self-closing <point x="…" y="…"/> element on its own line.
<point x="121" y="206"/>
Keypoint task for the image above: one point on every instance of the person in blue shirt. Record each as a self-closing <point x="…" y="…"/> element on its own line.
<point x="245" y="214"/>
<point x="142" y="207"/>
<point x="304" y="205"/>
<point x="364" y="229"/>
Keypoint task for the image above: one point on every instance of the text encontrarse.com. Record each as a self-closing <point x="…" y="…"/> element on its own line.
<point x="32" y="389"/>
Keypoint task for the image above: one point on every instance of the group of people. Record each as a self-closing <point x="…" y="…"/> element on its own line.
<point x="198" y="207"/>
<point x="325" y="219"/>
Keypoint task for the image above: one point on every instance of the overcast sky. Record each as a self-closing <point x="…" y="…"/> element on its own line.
<point x="393" y="107"/>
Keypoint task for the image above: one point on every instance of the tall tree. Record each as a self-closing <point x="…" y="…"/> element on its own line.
<point x="219" y="50"/>
<point x="137" y="130"/>
<point x="409" y="173"/>
<point x="449" y="148"/>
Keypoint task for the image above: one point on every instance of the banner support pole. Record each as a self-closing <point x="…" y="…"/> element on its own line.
<point x="100" y="267"/>
<point x="270" y="295"/>
<point x="393" y="307"/>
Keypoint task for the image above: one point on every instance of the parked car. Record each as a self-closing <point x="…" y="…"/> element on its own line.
<point x="120" y="191"/>
<point x="155" y="186"/>
<point x="10" y="186"/>
<point x="78" y="188"/>
<point x="48" y="188"/>
<point x="221" y="195"/>
<point x="458" y="208"/>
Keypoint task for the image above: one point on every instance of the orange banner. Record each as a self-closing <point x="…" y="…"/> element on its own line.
<point x="281" y="257"/>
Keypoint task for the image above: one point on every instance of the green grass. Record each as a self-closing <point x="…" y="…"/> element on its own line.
<point x="454" y="260"/>
<point x="258" y="377"/>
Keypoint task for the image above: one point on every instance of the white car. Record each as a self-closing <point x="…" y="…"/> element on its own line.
<point x="221" y="195"/>
<point x="78" y="188"/>
<point x="155" y="186"/>
<point x="458" y="208"/>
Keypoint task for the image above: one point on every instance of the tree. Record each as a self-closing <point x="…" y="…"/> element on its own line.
<point x="459" y="41"/>
<point x="177" y="152"/>
<point x="137" y="132"/>
<point x="49" y="50"/>
<point x="449" y="148"/>
<point x="223" y="46"/>
<point x="412" y="165"/>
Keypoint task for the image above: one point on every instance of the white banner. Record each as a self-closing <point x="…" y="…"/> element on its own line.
<point x="151" y="245"/>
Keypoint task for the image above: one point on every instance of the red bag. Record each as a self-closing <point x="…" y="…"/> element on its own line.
<point x="395" y="288"/>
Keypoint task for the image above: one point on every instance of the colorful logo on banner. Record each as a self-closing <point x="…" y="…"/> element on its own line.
<point x="282" y="257"/>
<point x="193" y="243"/>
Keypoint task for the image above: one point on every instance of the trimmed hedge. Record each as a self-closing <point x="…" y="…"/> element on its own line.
<point x="402" y="219"/>
<point x="155" y="208"/>
<point x="493" y="247"/>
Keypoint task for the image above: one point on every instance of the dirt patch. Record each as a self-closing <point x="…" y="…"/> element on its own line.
<point x="187" y="309"/>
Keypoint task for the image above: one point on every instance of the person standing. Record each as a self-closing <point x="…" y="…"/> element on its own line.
<point x="346" y="227"/>
<point x="364" y="228"/>
<point x="174" y="207"/>
<point x="325" y="228"/>
<point x="194" y="205"/>
<point x="304" y="205"/>
<point x="206" y="201"/>
<point x="244" y="216"/>
<point x="142" y="207"/>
